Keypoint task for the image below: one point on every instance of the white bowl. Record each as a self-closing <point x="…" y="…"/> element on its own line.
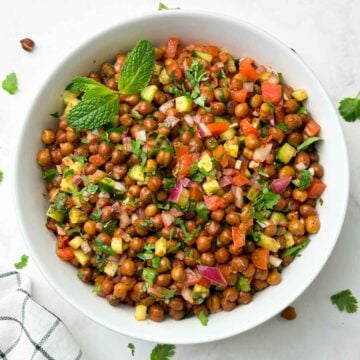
<point x="241" y="39"/>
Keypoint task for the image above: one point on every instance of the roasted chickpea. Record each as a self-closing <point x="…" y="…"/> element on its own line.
<point x="293" y="121"/>
<point x="121" y="290"/>
<point x="222" y="255"/>
<point x="217" y="215"/>
<point x="107" y="286"/>
<point x="156" y="313"/>
<point x="163" y="280"/>
<point x="128" y="267"/>
<point x="256" y="101"/>
<point x="203" y="243"/>
<point x="222" y="94"/>
<point x="90" y="227"/>
<point x="265" y="111"/>
<point x="299" y="195"/>
<point x="154" y="183"/>
<point x="252" y="142"/>
<point x="296" y="227"/>
<point x="274" y="278"/>
<point x="307" y="210"/>
<point x="225" y="236"/>
<point x="145" y="195"/>
<point x="178" y="273"/>
<point x="241" y="110"/>
<point x="291" y="106"/>
<point x="277" y="134"/>
<point x="47" y="137"/>
<point x="151" y="210"/>
<point x="312" y="224"/>
<point x="302" y="158"/>
<point x="196" y="144"/>
<point x="43" y="157"/>
<point x="163" y="158"/>
<point x="318" y="169"/>
<point x="233" y="218"/>
<point x="85" y="274"/>
<point x="213" y="228"/>
<point x="286" y="171"/>
<point x="239" y="263"/>
<point x="208" y="259"/>
<point x="295" y="138"/>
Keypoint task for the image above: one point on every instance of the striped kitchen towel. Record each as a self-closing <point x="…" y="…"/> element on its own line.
<point x="27" y="329"/>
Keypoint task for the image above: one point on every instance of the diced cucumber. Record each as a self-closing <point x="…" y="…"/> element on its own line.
<point x="231" y="148"/>
<point x="300" y="95"/>
<point x="268" y="243"/>
<point x="203" y="55"/>
<point x="136" y="173"/>
<point x="77" y="216"/>
<point x="183" y="104"/>
<point x="211" y="187"/>
<point x="81" y="257"/>
<point x="252" y="193"/>
<point x="264" y="76"/>
<point x="111" y="186"/>
<point x="278" y="217"/>
<point x="286" y="153"/>
<point x="57" y="215"/>
<point x="184" y="198"/>
<point x="205" y="162"/>
<point x="140" y="312"/>
<point x="164" y="77"/>
<point x="157" y="69"/>
<point x="67" y="186"/>
<point x="148" y="93"/>
<point x="231" y="65"/>
<point x="228" y="134"/>
<point x="136" y="115"/>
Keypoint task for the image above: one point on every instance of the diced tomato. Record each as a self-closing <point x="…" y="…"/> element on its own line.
<point x="171" y="47"/>
<point x="157" y="291"/>
<point x="271" y="92"/>
<point x="221" y="156"/>
<point x="183" y="164"/>
<point x="204" y="282"/>
<point x="195" y="191"/>
<point x="65" y="254"/>
<point x="317" y="187"/>
<point x="218" y="127"/>
<point x="182" y="150"/>
<point x="224" y="56"/>
<point x="174" y="69"/>
<point x="63" y="241"/>
<point x="191" y="278"/>
<point x="247" y="219"/>
<point x="214" y="202"/>
<point x="312" y="128"/>
<point x="238" y="234"/>
<point x="260" y="258"/>
<point x="247" y="128"/>
<point x="238" y="95"/>
<point x="240" y="180"/>
<point x="247" y="68"/>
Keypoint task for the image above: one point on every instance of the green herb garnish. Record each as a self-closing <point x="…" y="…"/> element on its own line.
<point x="96" y="215"/>
<point x="169" y="183"/>
<point x="302" y="111"/>
<point x="307" y="143"/>
<point x="162" y="6"/>
<point x="147" y="254"/>
<point x="243" y="284"/>
<point x="162" y="352"/>
<point x="22" y="263"/>
<point x="295" y="249"/>
<point x="149" y="276"/>
<point x="282" y="126"/>
<point x="203" y="318"/>
<point x="345" y="300"/>
<point x="136" y="146"/>
<point x="109" y="227"/>
<point x="131" y="346"/>
<point x="50" y="175"/>
<point x="349" y="108"/>
<point x="1" y="176"/>
<point x="106" y="249"/>
<point x="9" y="84"/>
<point x="266" y="199"/>
<point x="304" y="180"/>
<point x="202" y="210"/>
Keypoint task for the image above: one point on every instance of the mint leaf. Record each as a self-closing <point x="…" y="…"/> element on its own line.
<point x="85" y="84"/>
<point x="22" y="263"/>
<point x="9" y="84"/>
<point x="138" y="68"/>
<point x="307" y="143"/>
<point x="92" y="113"/>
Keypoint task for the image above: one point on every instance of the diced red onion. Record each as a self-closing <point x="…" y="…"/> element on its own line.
<point x="229" y="171"/>
<point x="127" y="143"/>
<point x="77" y="180"/>
<point x="114" y="259"/>
<point x="117" y="277"/>
<point x="253" y="164"/>
<point x="262" y="152"/>
<point x="248" y="86"/>
<point x="140" y="135"/>
<point x="261" y="69"/>
<point x="213" y="274"/>
<point x="239" y="196"/>
<point x="204" y="130"/>
<point x="104" y="195"/>
<point x="180" y="255"/>
<point x="272" y="121"/>
<point x="59" y="169"/>
<point x="175" y="193"/>
<point x="171" y="121"/>
<point x="225" y="181"/>
<point x="122" y="258"/>
<point x="300" y="166"/>
<point x="101" y="294"/>
<point x="141" y="213"/>
<point x="253" y="179"/>
<point x="287" y="91"/>
<point x="126" y="134"/>
<point x="85" y="247"/>
<point x="125" y="220"/>
<point x="186" y="293"/>
<point x="116" y="207"/>
<point x="234" y="125"/>
<point x="272" y="79"/>
<point x="60" y="230"/>
<point x="99" y="226"/>
<point x="189" y="119"/>
<point x="275" y="261"/>
<point x="120" y="186"/>
<point x="175" y="212"/>
<point x="238" y="164"/>
<point x="185" y="182"/>
<point x="134" y="217"/>
<point x="278" y="186"/>
<point x="167" y="218"/>
<point x="166" y="106"/>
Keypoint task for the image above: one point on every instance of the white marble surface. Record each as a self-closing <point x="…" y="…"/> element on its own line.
<point x="325" y="34"/>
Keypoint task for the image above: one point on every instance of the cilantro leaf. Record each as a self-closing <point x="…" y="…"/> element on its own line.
<point x="22" y="263"/>
<point x="266" y="199"/>
<point x="73" y="231"/>
<point x="106" y="249"/>
<point x="60" y="201"/>
<point x="203" y="318"/>
<point x="92" y="113"/>
<point x="138" y="68"/>
<point x="295" y="249"/>
<point x="162" y="352"/>
<point x="202" y="210"/>
<point x="243" y="284"/>
<point x="50" y="175"/>
<point x="307" y="143"/>
<point x="162" y="6"/>
<point x="169" y="183"/>
<point x="282" y="126"/>
<point x="345" y="300"/>
<point x="149" y="276"/>
<point x="349" y="108"/>
<point x="131" y="346"/>
<point x="109" y="227"/>
<point x="136" y="146"/>
<point x="1" y="176"/>
<point x="9" y="84"/>
<point x="80" y="159"/>
<point x="302" y="111"/>
<point x="304" y="180"/>
<point x="96" y="215"/>
<point x="147" y="254"/>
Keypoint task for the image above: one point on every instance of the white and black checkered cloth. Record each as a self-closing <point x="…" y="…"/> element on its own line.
<point x="28" y="330"/>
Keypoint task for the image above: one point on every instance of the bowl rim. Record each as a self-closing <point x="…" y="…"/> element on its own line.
<point x="148" y="336"/>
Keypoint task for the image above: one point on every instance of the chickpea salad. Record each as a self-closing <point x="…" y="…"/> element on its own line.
<point x="181" y="180"/>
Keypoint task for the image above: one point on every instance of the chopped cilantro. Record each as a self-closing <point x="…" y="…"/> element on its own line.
<point x="106" y="249"/>
<point x="147" y="253"/>
<point x="50" y="175"/>
<point x="295" y="249"/>
<point x="109" y="227"/>
<point x="266" y="199"/>
<point x="169" y="183"/>
<point x="203" y="317"/>
<point x="345" y="300"/>
<point x="131" y="346"/>
<point x="243" y="284"/>
<point x="22" y="263"/>
<point x="149" y="276"/>
<point x="96" y="215"/>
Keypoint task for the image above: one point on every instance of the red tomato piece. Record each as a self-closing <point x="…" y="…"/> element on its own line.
<point x="238" y="234"/>
<point x="312" y="128"/>
<point x="247" y="68"/>
<point x="260" y="258"/>
<point x="218" y="127"/>
<point x="240" y="180"/>
<point x="171" y="47"/>
<point x="238" y="95"/>
<point x="316" y="188"/>
<point x="63" y="241"/>
<point x="221" y="156"/>
<point x="182" y="150"/>
<point x="247" y="128"/>
<point x="66" y="254"/>
<point x="214" y="202"/>
<point x="183" y="164"/>
<point x="271" y="92"/>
